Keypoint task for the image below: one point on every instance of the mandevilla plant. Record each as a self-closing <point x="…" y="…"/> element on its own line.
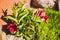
<point x="25" y="21"/>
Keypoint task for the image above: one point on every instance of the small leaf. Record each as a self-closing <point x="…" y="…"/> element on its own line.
<point x="37" y="19"/>
<point x="20" y="4"/>
<point x="16" y="15"/>
<point x="22" y="14"/>
<point x="27" y="38"/>
<point x="14" y="8"/>
<point x="20" y="26"/>
<point x="17" y="33"/>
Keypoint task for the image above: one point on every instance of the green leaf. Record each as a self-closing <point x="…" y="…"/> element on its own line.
<point x="14" y="8"/>
<point x="17" y="12"/>
<point x="11" y="18"/>
<point x="21" y="14"/>
<point x="24" y="16"/>
<point x="32" y="27"/>
<point x="37" y="19"/>
<point x="17" y="33"/>
<point x="20" y="26"/>
<point x="27" y="38"/>
<point x="20" y="4"/>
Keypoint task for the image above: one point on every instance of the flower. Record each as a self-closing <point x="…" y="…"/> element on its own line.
<point x="12" y="27"/>
<point x="42" y="15"/>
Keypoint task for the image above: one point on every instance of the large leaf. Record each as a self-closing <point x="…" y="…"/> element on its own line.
<point x="11" y="18"/>
<point x="24" y="15"/>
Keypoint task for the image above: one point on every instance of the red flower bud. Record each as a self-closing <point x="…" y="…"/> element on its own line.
<point x="46" y="17"/>
<point x="12" y="27"/>
<point x="28" y="25"/>
<point x="41" y="14"/>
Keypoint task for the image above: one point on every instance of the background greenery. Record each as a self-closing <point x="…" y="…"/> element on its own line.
<point x="51" y="30"/>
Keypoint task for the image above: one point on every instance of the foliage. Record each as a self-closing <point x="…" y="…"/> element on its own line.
<point x="51" y="30"/>
<point x="29" y="25"/>
<point x="23" y="18"/>
<point x="54" y="23"/>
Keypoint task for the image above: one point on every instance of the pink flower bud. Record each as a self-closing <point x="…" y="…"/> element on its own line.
<point x="12" y="27"/>
<point x="41" y="14"/>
